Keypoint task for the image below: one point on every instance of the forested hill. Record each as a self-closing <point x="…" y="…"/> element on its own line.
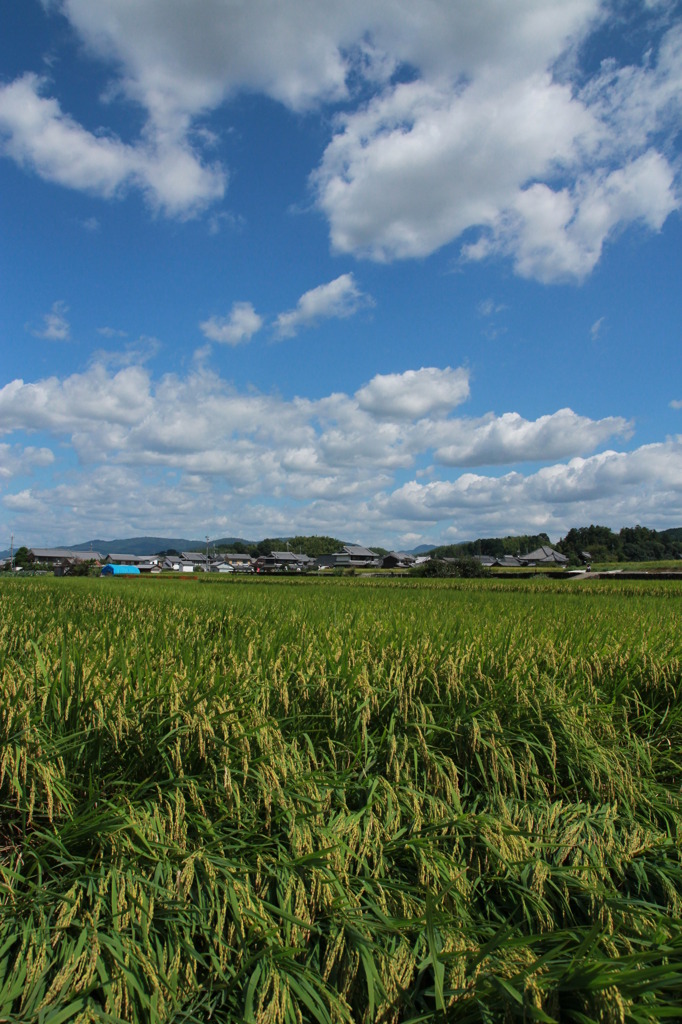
<point x="493" y="546"/>
<point x="152" y="545"/>
<point x="631" y="544"/>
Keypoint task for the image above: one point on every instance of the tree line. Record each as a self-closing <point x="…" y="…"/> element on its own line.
<point x="596" y="543"/>
<point x="631" y="544"/>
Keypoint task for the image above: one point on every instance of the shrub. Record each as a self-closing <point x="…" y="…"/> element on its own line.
<point x="462" y="568"/>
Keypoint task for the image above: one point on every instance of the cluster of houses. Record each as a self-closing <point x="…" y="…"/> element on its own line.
<point x="541" y="556"/>
<point x="63" y="560"/>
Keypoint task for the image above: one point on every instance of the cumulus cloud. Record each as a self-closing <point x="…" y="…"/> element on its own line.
<point x="415" y="393"/>
<point x="502" y="440"/>
<point x="62" y="407"/>
<point x="426" y="160"/>
<point x="237" y="328"/>
<point x="614" y="487"/>
<point x="198" y="445"/>
<point x="560" y="235"/>
<point x="36" y="133"/>
<point x="180" y="57"/>
<point x="18" y="460"/>
<point x="457" y="118"/>
<point x="54" y="326"/>
<point x="339" y="298"/>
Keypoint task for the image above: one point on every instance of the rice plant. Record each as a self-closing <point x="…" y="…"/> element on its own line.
<point x="339" y="801"/>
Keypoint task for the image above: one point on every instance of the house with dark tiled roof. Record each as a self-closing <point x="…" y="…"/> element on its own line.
<point x="62" y="556"/>
<point x="142" y="560"/>
<point x="177" y="564"/>
<point x="543" y="555"/>
<point x="236" y="559"/>
<point x="397" y="560"/>
<point x="198" y="559"/>
<point x="503" y="561"/>
<point x="354" y="555"/>
<point x="284" y="561"/>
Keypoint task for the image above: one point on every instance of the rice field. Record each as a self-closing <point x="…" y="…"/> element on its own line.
<point x="340" y="801"/>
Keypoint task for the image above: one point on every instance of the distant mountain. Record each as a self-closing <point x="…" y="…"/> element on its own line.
<point x="151" y="545"/>
<point x="423" y="549"/>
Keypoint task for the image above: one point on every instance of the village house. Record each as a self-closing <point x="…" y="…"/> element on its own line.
<point x="52" y="557"/>
<point x="284" y="561"/>
<point x="198" y="559"/>
<point x="237" y="560"/>
<point x="397" y="560"/>
<point x="543" y="556"/>
<point x="176" y="563"/>
<point x="141" y="560"/>
<point x="355" y="556"/>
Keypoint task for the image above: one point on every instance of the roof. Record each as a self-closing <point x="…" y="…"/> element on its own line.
<point x="400" y="557"/>
<point x="194" y="556"/>
<point x="544" y="554"/>
<point x="66" y="553"/>
<point x="291" y="556"/>
<point x="356" y="551"/>
<point x="134" y="559"/>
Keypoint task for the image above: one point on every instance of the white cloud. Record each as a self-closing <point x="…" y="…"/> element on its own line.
<point x="619" y="488"/>
<point x="556" y="236"/>
<point x="339" y="298"/>
<point x="502" y="440"/>
<point x="35" y="132"/>
<point x="78" y="402"/>
<point x="597" y="328"/>
<point x="415" y="393"/>
<point x="24" y="502"/>
<point x="488" y="308"/>
<point x="498" y="129"/>
<point x="676" y="403"/>
<point x="18" y="460"/>
<point x="427" y="160"/>
<point x="112" y="332"/>
<point x="235" y="329"/>
<point x="180" y="57"/>
<point x="55" y="326"/>
<point x="199" y="450"/>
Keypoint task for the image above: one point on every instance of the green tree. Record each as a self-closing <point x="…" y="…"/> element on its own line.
<point x="602" y="544"/>
<point x="22" y="557"/>
<point x="462" y="568"/>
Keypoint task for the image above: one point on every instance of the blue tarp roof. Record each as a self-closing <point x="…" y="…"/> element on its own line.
<point x="120" y="570"/>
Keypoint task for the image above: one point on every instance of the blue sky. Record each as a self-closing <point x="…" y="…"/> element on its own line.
<point x="400" y="273"/>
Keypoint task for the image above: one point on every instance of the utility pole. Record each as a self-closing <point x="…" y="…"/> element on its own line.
<point x="207" y="554"/>
<point x="11" y="554"/>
